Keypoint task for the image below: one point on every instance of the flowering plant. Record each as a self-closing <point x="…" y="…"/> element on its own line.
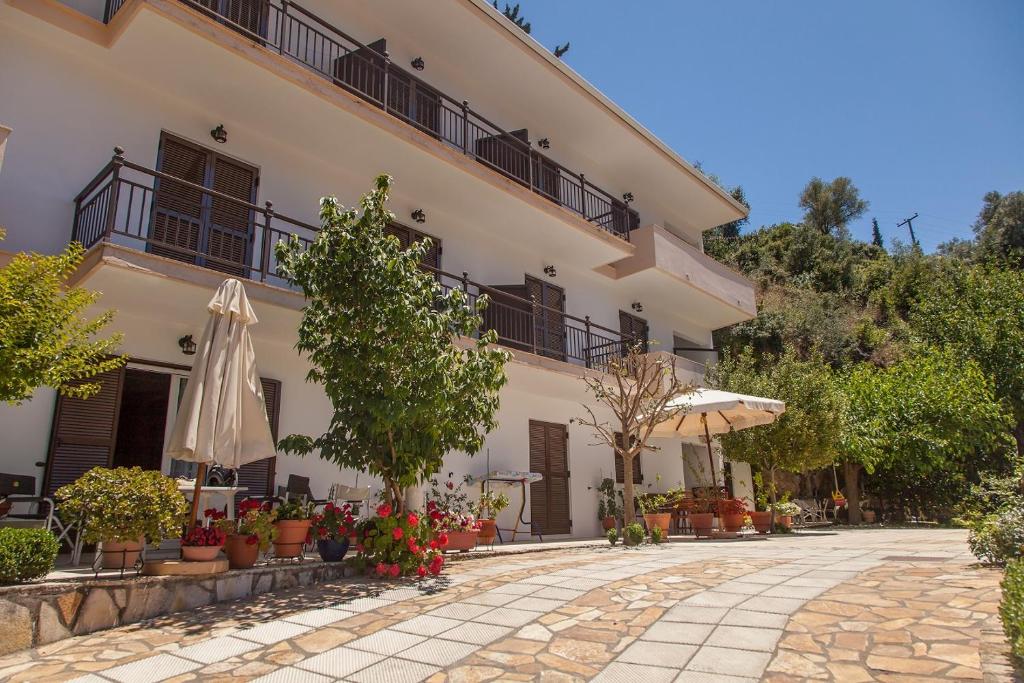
<point x="205" y="536"/>
<point x="395" y="546"/>
<point x="490" y="504"/>
<point x="334" y="523"/>
<point x="785" y="508"/>
<point x="295" y="509"/>
<point x="255" y="521"/>
<point x="731" y="506"/>
<point x="450" y="509"/>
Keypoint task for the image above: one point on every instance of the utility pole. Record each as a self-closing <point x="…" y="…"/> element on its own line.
<point x="910" y="225"/>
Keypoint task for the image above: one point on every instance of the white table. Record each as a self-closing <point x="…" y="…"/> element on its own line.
<point x="227" y="493"/>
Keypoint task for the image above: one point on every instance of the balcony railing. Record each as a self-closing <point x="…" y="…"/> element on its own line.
<point x="164" y="215"/>
<point x="365" y="71"/>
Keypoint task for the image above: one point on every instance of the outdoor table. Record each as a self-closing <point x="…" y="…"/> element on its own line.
<point x="187" y="486"/>
<point x="502" y="478"/>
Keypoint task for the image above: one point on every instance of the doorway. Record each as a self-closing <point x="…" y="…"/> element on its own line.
<point x="142" y="421"/>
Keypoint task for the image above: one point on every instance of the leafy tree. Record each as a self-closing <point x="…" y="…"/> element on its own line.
<point x="830" y="206"/>
<point x="45" y="340"/>
<point x="929" y="413"/>
<point x="876" y="234"/>
<point x="637" y="390"/>
<point x="721" y="240"/>
<point x="999" y="229"/>
<point x="383" y="339"/>
<point x="807" y="435"/>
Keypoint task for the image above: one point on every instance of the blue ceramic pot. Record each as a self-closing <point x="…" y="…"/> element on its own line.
<point x="331" y="550"/>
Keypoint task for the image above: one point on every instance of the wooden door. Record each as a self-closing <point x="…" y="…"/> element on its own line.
<point x="258" y="476"/>
<point x="549" y="321"/>
<point x="635" y="329"/>
<point x="549" y="497"/>
<point x="84" y="432"/>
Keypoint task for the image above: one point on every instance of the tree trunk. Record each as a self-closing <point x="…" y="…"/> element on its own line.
<point x="851" y="472"/>
<point x="628" y="495"/>
<point x="774" y="497"/>
<point x="1018" y="434"/>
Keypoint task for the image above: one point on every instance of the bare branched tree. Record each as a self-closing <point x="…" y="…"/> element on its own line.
<point x="641" y="391"/>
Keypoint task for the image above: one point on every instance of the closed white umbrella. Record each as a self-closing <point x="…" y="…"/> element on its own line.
<point x="712" y="411"/>
<point x="222" y="418"/>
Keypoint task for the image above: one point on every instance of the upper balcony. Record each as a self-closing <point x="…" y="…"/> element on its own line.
<point x="288" y="29"/>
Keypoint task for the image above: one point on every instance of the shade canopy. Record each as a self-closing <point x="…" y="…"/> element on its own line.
<point x="222" y="418"/>
<point x="723" y="411"/>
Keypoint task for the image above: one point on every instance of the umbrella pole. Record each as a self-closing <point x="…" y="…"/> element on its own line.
<point x="711" y="457"/>
<point x="200" y="477"/>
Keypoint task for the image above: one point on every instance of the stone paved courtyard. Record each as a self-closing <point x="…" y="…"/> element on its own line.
<point x="885" y="605"/>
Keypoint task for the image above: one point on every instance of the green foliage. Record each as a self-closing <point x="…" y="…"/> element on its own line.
<point x="830" y="206"/>
<point x="999" y="538"/>
<point x="399" y="545"/>
<point x="633" y="533"/>
<point x="491" y="504"/>
<point x="657" y="535"/>
<point x="876" y="234"/>
<point x="255" y="521"/>
<point x="610" y="502"/>
<point x="1011" y="609"/>
<point x="44" y="338"/>
<point x="26" y="554"/>
<point x="383" y="340"/>
<point x="124" y="504"/>
<point x="650" y="503"/>
<point x="612" y="536"/>
<point x="999" y="230"/>
<point x="294" y="508"/>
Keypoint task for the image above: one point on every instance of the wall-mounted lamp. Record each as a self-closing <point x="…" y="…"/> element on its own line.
<point x="188" y="346"/>
<point x="419" y="216"/>
<point x="637" y="306"/>
<point x="418" y="64"/>
<point x="550" y="271"/>
<point x="628" y="198"/>
<point x="544" y="143"/>
<point x="220" y="134"/>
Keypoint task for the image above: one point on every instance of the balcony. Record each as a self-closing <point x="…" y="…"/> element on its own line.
<point x="135" y="207"/>
<point x="288" y="29"/>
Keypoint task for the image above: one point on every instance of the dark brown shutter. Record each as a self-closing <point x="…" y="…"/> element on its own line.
<point x="84" y="432"/>
<point x="549" y="497"/>
<point x="620" y="473"/>
<point x="548" y="321"/>
<point x="178" y="209"/>
<point x="406" y="236"/>
<point x="258" y="476"/>
<point x="231" y="223"/>
<point x="634" y="328"/>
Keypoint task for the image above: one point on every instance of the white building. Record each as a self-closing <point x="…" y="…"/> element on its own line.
<point x="530" y="181"/>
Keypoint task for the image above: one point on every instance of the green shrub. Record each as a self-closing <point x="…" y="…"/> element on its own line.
<point x="26" y="554"/>
<point x="634" y="534"/>
<point x="657" y="535"/>
<point x="1012" y="607"/>
<point x="612" y="536"/>
<point x="998" y="538"/>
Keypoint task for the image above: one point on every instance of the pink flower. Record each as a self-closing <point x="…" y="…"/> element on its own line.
<point x="395" y="570"/>
<point x="449" y="484"/>
<point x="412" y="519"/>
<point x="397" y="533"/>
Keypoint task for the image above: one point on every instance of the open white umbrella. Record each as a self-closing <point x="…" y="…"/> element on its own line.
<point x="222" y="418"/>
<point x="712" y="411"/>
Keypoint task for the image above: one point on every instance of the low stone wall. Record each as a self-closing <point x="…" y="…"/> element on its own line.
<point x="42" y="613"/>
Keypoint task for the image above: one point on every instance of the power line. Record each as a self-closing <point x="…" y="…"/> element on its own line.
<point x="909" y="223"/>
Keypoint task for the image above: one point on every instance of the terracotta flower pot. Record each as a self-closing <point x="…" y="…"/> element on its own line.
<point x="702" y="523"/>
<point x="332" y="550"/>
<point x="786" y="521"/>
<point x="662" y="520"/>
<point x="241" y="554"/>
<point x="762" y="521"/>
<point x="731" y="522"/>
<point x="121" y="554"/>
<point x="461" y="540"/>
<point x="488" y="531"/>
<point x="608" y="523"/>
<point x="291" y="536"/>
<point x="199" y="553"/>
<point x="867" y="516"/>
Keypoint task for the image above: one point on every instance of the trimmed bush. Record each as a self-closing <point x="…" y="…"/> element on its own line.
<point x="612" y="536"/>
<point x="1011" y="609"/>
<point x="657" y="535"/>
<point x="26" y="554"/>
<point x="999" y="538"/>
<point x="633" y="534"/>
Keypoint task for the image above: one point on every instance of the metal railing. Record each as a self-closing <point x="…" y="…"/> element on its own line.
<point x="290" y="30"/>
<point x="164" y="215"/>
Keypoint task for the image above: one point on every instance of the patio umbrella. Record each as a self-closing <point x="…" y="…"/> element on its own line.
<point x="222" y="418"/>
<point x="712" y="411"/>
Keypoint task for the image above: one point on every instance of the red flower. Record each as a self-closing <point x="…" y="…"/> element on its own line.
<point x="359" y="547"/>
<point x="435" y="515"/>
<point x="412" y="519"/>
<point x="433" y="544"/>
<point x="383" y="510"/>
<point x="329" y="507"/>
<point x="431" y="506"/>
<point x="348" y="519"/>
<point x="395" y="570"/>
<point x="449" y="484"/>
<point x="382" y="569"/>
<point x="413" y="548"/>
<point x="323" y="532"/>
<point x="252" y="539"/>
<point x="397" y="533"/>
<point x="421" y="571"/>
<point x="442" y="540"/>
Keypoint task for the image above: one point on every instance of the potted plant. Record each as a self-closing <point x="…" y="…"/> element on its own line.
<point x="202" y="543"/>
<point x="650" y="505"/>
<point x="331" y="529"/>
<point x="248" y="535"/>
<point x="633" y="534"/>
<point x="785" y="509"/>
<point x="761" y="516"/>
<point x="292" y="523"/>
<point x="608" y="508"/>
<point x="488" y="508"/>
<point x="448" y="509"/>
<point x="731" y="512"/>
<point x="867" y="515"/>
<point x="702" y="516"/>
<point x="122" y="508"/>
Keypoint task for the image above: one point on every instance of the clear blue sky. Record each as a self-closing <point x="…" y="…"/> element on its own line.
<point x="920" y="102"/>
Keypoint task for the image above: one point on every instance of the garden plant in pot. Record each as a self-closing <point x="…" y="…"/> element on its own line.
<point x="123" y="508"/>
<point x="204" y="542"/>
<point x="785" y="510"/>
<point x="651" y="505"/>
<point x="609" y="508"/>
<point x="449" y="511"/>
<point x="702" y="516"/>
<point x="331" y="530"/>
<point x="731" y="512"/>
<point x="488" y="508"/>
<point x="761" y="516"/>
<point x="248" y="535"/>
<point x="292" y="522"/>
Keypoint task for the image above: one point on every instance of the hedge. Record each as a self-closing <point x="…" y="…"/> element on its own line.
<point x="26" y="554"/>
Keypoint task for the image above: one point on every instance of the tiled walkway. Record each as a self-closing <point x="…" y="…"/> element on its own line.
<point x="853" y="606"/>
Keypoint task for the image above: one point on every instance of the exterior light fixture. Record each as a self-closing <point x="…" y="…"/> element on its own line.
<point x="188" y="346"/>
<point x="220" y="134"/>
<point x="418" y="64"/>
<point x="550" y="271"/>
<point x="637" y="306"/>
<point x="544" y="143"/>
<point x="419" y="216"/>
<point x="628" y="198"/>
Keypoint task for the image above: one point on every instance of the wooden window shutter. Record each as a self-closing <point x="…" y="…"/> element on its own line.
<point x="634" y="327"/>
<point x="84" y="432"/>
<point x="258" y="476"/>
<point x="620" y="474"/>
<point x="549" y="497"/>
<point x="176" y="228"/>
<point x="549" y="323"/>
<point x="231" y="224"/>
<point x="406" y="236"/>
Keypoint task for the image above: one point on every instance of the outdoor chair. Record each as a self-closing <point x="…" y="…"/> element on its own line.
<point x="811" y="511"/>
